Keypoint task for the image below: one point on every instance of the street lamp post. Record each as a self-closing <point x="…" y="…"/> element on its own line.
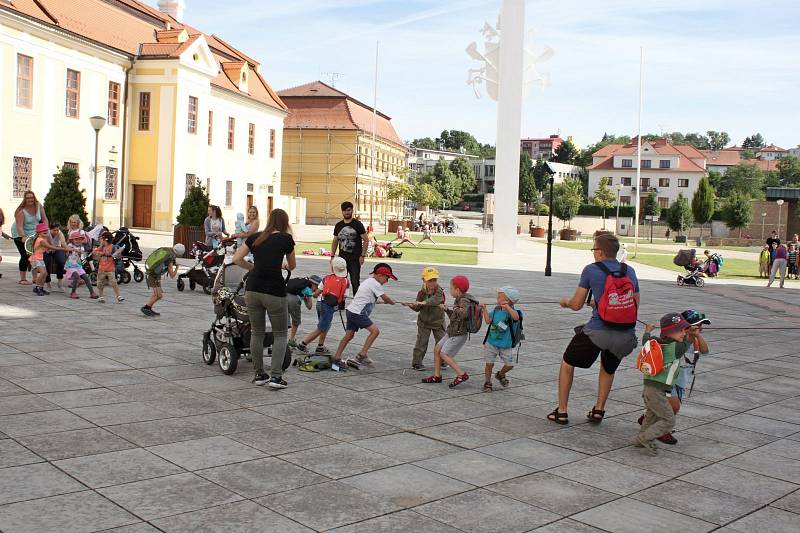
<point x="780" y="207"/>
<point x="619" y="191"/>
<point x="763" y="220"/>
<point x="97" y="124"/>
<point x="548" y="271"/>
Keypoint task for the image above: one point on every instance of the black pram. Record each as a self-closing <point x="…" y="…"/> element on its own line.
<point x="228" y="339"/>
<point x="694" y="269"/>
<point x="131" y="253"/>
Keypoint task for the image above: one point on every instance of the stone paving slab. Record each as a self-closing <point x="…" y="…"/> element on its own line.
<point x="130" y="431"/>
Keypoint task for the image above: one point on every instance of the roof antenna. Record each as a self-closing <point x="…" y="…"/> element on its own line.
<point x="333" y="77"/>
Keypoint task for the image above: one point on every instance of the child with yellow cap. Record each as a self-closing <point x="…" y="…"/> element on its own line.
<point x="431" y="315"/>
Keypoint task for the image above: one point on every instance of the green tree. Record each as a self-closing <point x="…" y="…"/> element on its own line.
<point x="567" y="197"/>
<point x="455" y="140"/>
<point x="528" y="192"/>
<point x="703" y="203"/>
<point x="679" y="215"/>
<point x="748" y="154"/>
<point x="737" y="211"/>
<point x="194" y="207"/>
<point x="746" y="178"/>
<point x="603" y="197"/>
<point x="715" y="179"/>
<point x="754" y="141"/>
<point x="65" y="197"/>
<point x="566" y="152"/>
<point x="445" y="182"/>
<point x="424" y="142"/>
<point x="717" y="140"/>
<point x="465" y="174"/>
<point x="541" y="176"/>
<point x="425" y="194"/>
<point x="698" y="140"/>
<point x="651" y="206"/>
<point x="789" y="172"/>
<point x="399" y="191"/>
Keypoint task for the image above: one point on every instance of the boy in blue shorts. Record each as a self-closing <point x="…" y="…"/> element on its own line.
<point x="502" y="322"/>
<point x="358" y="317"/>
<point x="331" y="293"/>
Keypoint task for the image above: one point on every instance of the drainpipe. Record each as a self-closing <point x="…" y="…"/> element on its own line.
<point x="123" y="159"/>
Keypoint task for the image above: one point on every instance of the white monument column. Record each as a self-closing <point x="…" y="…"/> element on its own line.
<point x="509" y="123"/>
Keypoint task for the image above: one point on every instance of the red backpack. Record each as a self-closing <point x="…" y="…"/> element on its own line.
<point x="334" y="289"/>
<point x="617" y="306"/>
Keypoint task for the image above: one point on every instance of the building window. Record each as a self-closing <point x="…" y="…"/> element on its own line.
<point x="111" y="183"/>
<point x="610" y="181"/>
<point x="251" y="138"/>
<point x="73" y="166"/>
<point x="24" y="81"/>
<point x="663" y="182"/>
<point x="228" y="193"/>
<point x="73" y="93"/>
<point x="272" y="144"/>
<point x="626" y="182"/>
<point x="113" y="104"/>
<point x="231" y="128"/>
<point x="683" y="182"/>
<point x="22" y="176"/>
<point x="210" y="127"/>
<point x="663" y="202"/>
<point x="191" y="179"/>
<point x="144" y="111"/>
<point x="627" y="163"/>
<point x="645" y="183"/>
<point x="664" y="163"/>
<point x="192" y="125"/>
<point x="646" y="163"/>
<point x="624" y="200"/>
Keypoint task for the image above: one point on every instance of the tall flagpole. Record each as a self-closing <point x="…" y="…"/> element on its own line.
<point x="638" y="154"/>
<point x="374" y="118"/>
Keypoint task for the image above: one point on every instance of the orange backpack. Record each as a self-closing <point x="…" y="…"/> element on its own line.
<point x="334" y="289"/>
<point x="650" y="360"/>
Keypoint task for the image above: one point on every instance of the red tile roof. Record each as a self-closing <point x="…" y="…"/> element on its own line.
<point x="660" y="146"/>
<point x="317" y="105"/>
<point x="724" y="158"/>
<point x="130" y="26"/>
<point x="771" y="148"/>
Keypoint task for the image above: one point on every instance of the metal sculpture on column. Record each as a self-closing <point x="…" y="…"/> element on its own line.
<point x="508" y="71"/>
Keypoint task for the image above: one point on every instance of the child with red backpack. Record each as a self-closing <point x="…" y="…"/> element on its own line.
<point x="611" y="332"/>
<point x="466" y="317"/>
<point x="331" y="292"/>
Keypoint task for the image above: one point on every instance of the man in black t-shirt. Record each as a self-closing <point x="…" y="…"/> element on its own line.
<point x="350" y="237"/>
<point x="773" y="239"/>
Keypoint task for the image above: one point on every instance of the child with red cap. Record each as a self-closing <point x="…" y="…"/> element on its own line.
<point x="455" y="335"/>
<point x="358" y="317"/>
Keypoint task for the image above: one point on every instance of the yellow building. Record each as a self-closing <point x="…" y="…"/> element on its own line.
<point x="327" y="154"/>
<point x="179" y="106"/>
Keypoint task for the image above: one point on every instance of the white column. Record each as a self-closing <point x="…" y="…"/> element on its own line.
<point x="509" y="119"/>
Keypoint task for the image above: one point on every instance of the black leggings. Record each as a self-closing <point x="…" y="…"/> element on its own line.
<point x="86" y="281"/>
<point x="354" y="269"/>
<point x="24" y="264"/>
<point x="55" y="264"/>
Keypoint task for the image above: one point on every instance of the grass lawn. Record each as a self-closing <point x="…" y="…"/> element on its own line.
<point x="452" y="250"/>
<point x="575" y="245"/>
<point x="733" y="268"/>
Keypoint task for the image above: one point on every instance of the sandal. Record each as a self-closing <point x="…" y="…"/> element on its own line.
<point x="502" y="379"/>
<point x="432" y="379"/>
<point x="24" y="282"/>
<point x="365" y="360"/>
<point x="558" y="417"/>
<point x="459" y="380"/>
<point x="487" y="387"/>
<point x="596" y="415"/>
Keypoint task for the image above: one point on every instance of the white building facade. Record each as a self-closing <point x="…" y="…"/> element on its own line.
<point x="422" y="160"/>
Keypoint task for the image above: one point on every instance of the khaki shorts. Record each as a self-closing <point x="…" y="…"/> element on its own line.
<point x="493" y="354"/>
<point x="105" y="279"/>
<point x="153" y="282"/>
<point x="295" y="310"/>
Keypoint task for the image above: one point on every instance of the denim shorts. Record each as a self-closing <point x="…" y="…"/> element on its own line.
<point x="491" y="354"/>
<point x="324" y="316"/>
<point x="356" y="322"/>
<point x="38" y="264"/>
<point x="678" y="392"/>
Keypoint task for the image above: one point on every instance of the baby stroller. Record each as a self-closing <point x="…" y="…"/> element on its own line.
<point x="228" y="339"/>
<point x="207" y="265"/>
<point x="131" y="253"/>
<point x="694" y="269"/>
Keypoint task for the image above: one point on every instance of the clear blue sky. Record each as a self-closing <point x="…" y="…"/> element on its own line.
<point x="727" y="65"/>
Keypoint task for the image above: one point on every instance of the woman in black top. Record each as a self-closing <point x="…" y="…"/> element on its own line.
<point x="265" y="292"/>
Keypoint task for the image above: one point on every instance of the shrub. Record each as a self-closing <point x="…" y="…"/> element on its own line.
<point x="194" y="207"/>
<point x="65" y="197"/>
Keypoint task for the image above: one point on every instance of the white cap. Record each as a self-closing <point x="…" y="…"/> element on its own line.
<point x="179" y="249"/>
<point x="339" y="266"/>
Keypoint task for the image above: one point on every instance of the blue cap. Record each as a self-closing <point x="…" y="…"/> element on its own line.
<point x="510" y="292"/>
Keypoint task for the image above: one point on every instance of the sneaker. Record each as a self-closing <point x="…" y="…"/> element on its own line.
<point x="260" y="378"/>
<point x="649" y="446"/>
<point x="352" y="363"/>
<point x="38" y="292"/>
<point x="101" y="300"/>
<point x="291" y="343"/>
<point x="43" y="292"/>
<point x="321" y="350"/>
<point x="146" y="311"/>
<point x="337" y="365"/>
<point x="417" y="366"/>
<point x="154" y="313"/>
<point x="667" y="438"/>
<point x="277" y="383"/>
<point x="74" y="296"/>
<point x="120" y="299"/>
<point x="303" y="347"/>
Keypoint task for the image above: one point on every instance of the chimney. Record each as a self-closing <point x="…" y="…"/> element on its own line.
<point x="173" y="8"/>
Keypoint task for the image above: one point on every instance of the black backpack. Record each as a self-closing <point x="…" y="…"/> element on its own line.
<point x="297" y="285"/>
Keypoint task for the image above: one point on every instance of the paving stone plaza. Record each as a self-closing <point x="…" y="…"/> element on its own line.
<point x="111" y="420"/>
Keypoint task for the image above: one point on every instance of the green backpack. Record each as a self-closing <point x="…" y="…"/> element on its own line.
<point x="158" y="261"/>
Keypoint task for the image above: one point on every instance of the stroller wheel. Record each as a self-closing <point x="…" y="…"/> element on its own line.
<point x="126" y="276"/>
<point x="700" y="282"/>
<point x="192" y="284"/>
<point x="209" y="349"/>
<point x="181" y="285"/>
<point x="228" y="358"/>
<point x="138" y="276"/>
<point x="680" y="280"/>
<point x="207" y="289"/>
